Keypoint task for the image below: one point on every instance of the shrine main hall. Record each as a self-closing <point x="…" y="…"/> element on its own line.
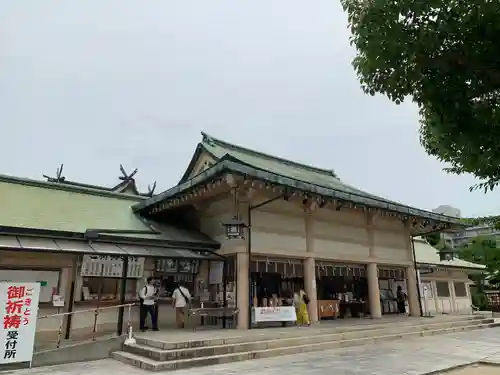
<point x="277" y="227"/>
<point x="283" y="225"/>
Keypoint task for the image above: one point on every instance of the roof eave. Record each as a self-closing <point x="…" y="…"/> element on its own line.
<point x="478" y="269"/>
<point x="246" y="170"/>
<point x="204" y="176"/>
<point x="209" y="245"/>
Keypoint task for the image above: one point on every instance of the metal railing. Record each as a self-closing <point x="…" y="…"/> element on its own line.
<point x="95" y="326"/>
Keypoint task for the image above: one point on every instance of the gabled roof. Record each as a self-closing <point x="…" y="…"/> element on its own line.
<point x="282" y="167"/>
<point x="52" y="206"/>
<point x="218" y="149"/>
<point x="426" y="254"/>
<point x="240" y="160"/>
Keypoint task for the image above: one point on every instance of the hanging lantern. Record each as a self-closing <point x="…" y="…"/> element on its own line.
<point x="235" y="229"/>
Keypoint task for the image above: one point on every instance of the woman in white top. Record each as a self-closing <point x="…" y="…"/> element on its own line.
<point x="180" y="297"/>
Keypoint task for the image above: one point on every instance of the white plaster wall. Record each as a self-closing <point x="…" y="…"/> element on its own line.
<point x="212" y="217"/>
<point x="344" y="251"/>
<point x="390" y="244"/>
<point x="278" y="234"/>
<point x="341" y="240"/>
<point x="447" y="305"/>
<point x="276" y="222"/>
<point x="265" y="243"/>
<point x="282" y="234"/>
<point x="279" y="229"/>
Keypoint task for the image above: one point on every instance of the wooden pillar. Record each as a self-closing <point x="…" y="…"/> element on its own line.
<point x="372" y="271"/>
<point x="454" y="307"/>
<point x="69" y="295"/>
<point x="411" y="287"/>
<point x="373" y="291"/>
<point x="309" y="266"/>
<point x="242" y="285"/>
<point x="435" y="294"/>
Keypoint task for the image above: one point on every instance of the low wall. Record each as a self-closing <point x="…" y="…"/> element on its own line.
<point x="101" y="348"/>
<point x="446" y="306"/>
<point x="82" y="324"/>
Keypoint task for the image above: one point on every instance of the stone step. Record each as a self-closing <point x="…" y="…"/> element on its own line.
<point x="153" y="365"/>
<point x="292" y="332"/>
<point x="308" y="337"/>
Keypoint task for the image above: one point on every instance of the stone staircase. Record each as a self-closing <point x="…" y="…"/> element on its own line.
<point x="155" y="355"/>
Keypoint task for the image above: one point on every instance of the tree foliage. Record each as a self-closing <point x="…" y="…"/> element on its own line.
<point x="444" y="54"/>
<point x="493" y="221"/>
<point x="484" y="250"/>
<point x="433" y="239"/>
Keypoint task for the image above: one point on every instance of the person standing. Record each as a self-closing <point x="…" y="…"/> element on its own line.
<point x="181" y="298"/>
<point x="148" y="296"/>
<point x="301" y="301"/>
<point x="401" y="299"/>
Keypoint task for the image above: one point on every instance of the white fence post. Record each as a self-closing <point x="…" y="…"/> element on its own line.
<point x="130" y="337"/>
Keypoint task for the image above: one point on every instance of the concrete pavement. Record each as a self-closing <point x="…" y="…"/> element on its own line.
<point x="410" y="357"/>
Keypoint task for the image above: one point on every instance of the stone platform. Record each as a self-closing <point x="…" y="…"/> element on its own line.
<point x="162" y="351"/>
<point x="418" y="356"/>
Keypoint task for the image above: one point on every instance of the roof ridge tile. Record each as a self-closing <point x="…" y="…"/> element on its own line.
<point x="212" y="141"/>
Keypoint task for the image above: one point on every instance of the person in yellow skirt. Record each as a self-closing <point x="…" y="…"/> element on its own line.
<point x="301" y="300"/>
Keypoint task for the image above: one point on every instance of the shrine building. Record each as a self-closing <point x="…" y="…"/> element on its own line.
<point x="303" y="228"/>
<point x="275" y="227"/>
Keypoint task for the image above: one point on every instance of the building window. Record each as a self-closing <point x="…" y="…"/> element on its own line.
<point x="460" y="289"/>
<point x="446" y="255"/>
<point x="107" y="289"/>
<point x="443" y="288"/>
<point x="427" y="291"/>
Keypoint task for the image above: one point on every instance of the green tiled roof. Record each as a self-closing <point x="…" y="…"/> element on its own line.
<point x="316" y="181"/>
<point x="300" y="172"/>
<point x="32" y="204"/>
<point x="53" y="206"/>
<point x="426" y="254"/>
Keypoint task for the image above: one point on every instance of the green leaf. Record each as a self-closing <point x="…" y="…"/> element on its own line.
<point x="444" y="55"/>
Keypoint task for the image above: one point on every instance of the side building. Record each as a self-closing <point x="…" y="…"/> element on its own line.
<point x="74" y="239"/>
<point x="444" y="280"/>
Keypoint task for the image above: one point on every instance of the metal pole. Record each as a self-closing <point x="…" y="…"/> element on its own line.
<point x="417" y="276"/>
<point x="130" y="336"/>
<point x="224" y="290"/>
<point x="249" y="245"/>
<point x="71" y="302"/>
<point x="123" y="290"/>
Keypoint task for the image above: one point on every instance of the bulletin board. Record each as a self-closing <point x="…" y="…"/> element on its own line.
<point x="49" y="280"/>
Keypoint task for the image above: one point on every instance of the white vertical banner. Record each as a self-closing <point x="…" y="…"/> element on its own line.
<point x="216" y="272"/>
<point x="18" y="310"/>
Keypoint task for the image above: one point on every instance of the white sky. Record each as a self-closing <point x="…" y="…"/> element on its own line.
<point x="96" y="83"/>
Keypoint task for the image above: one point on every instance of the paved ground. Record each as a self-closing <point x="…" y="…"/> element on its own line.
<point x="410" y="357"/>
<point x="475" y="370"/>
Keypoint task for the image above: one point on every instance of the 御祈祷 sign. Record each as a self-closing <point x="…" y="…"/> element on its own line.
<point x="274" y="314"/>
<point x="19" y="310"/>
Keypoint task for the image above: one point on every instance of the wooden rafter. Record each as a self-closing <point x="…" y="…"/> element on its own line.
<point x="417" y="225"/>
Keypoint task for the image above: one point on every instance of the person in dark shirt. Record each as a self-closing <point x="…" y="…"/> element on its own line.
<point x="401" y="299"/>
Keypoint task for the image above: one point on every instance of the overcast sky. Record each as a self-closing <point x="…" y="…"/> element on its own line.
<point x="96" y="83"/>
